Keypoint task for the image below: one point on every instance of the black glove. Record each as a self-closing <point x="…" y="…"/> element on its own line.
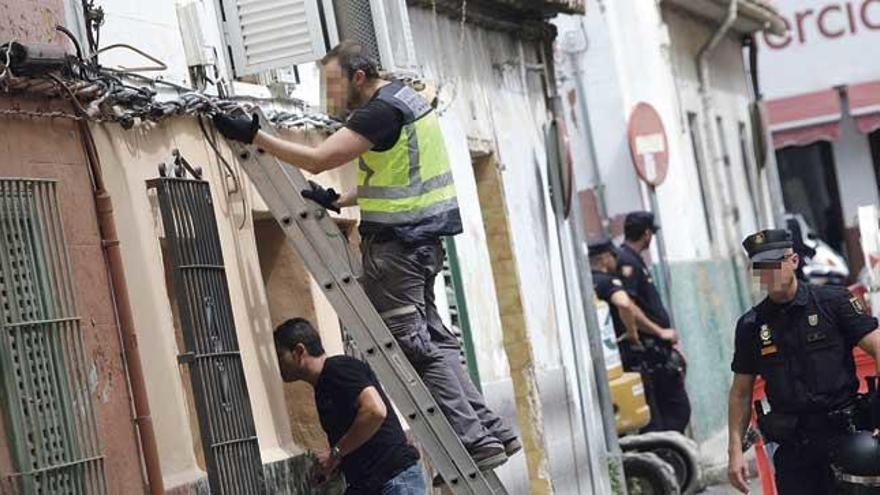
<point x="324" y="197"/>
<point x="237" y="128"/>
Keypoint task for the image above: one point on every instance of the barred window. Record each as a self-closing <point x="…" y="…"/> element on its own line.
<point x="49" y="418"/>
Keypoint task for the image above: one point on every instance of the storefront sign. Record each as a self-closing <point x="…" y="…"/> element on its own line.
<point x="829" y="43"/>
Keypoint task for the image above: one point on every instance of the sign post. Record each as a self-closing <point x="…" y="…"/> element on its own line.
<point x="649" y="148"/>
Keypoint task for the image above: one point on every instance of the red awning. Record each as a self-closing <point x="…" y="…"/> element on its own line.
<point x="864" y="105"/>
<point x="805" y="119"/>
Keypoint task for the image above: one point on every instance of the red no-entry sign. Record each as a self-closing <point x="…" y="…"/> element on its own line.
<point x="648" y="144"/>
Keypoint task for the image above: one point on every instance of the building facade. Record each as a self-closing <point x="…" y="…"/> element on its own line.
<point x="491" y="92"/>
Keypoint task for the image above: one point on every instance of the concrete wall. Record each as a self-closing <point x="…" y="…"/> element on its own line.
<point x="730" y="99"/>
<point x="491" y="101"/>
<point x="855" y="171"/>
<point x="130" y="158"/>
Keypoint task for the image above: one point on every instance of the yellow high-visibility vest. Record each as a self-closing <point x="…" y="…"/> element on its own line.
<point x="410" y="183"/>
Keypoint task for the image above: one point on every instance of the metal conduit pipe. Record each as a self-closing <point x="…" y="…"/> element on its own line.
<point x="124" y="318"/>
<point x="715" y="159"/>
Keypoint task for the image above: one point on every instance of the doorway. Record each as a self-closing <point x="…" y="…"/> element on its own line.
<point x="809" y="187"/>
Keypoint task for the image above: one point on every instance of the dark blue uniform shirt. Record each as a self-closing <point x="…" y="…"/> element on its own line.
<point x="606" y="284"/>
<point x="640" y="285"/>
<point x="803" y="349"/>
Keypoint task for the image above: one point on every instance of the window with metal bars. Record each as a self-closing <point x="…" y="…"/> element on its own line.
<point x="49" y="414"/>
<point x="226" y="424"/>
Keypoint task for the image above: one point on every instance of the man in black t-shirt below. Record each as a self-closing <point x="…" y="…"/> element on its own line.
<point x="365" y="436"/>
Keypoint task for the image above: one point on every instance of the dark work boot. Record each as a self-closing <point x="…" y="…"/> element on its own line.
<point x="512" y="446"/>
<point x="486" y="458"/>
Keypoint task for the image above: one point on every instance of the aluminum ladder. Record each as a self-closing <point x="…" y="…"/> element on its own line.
<point x="323" y="249"/>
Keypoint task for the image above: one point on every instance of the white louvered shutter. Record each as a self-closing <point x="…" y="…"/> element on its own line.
<point x="271" y="34"/>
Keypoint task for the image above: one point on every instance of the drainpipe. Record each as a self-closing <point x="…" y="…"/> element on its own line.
<point x="715" y="159"/>
<point x="768" y="158"/>
<point x="710" y="133"/>
<point x="124" y="318"/>
<point x="574" y="53"/>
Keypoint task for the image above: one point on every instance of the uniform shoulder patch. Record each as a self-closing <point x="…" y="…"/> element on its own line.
<point x="857" y="304"/>
<point x="626" y="270"/>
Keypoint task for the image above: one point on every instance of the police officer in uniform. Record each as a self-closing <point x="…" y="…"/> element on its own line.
<point x="799" y="339"/>
<point x="407" y="202"/>
<point x="664" y="366"/>
<point x="625" y="313"/>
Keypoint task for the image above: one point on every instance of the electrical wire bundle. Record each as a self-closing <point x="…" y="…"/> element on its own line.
<point x="105" y="94"/>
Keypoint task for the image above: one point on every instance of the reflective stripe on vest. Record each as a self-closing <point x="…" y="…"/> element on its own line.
<point x="409" y="182"/>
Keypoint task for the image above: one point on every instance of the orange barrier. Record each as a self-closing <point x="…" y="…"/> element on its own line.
<point x="764" y="463"/>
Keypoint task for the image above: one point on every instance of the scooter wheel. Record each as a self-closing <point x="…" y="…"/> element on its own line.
<point x="647" y="474"/>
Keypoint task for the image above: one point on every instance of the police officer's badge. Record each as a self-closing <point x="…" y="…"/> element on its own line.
<point x="626" y="271"/>
<point x="617" y="282"/>
<point x="759" y="238"/>
<point x="767" y="345"/>
<point x="813" y="320"/>
<point x="857" y="304"/>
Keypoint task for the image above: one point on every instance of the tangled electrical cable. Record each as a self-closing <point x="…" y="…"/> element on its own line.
<point x="104" y="94"/>
<point x="101" y="94"/>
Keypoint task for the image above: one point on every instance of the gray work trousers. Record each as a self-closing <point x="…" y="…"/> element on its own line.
<point x="399" y="280"/>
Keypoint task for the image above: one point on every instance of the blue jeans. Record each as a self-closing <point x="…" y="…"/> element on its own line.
<point x="411" y="481"/>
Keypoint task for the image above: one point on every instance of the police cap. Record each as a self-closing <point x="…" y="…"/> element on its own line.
<point x="601" y="246"/>
<point x="768" y="245"/>
<point x="640" y="220"/>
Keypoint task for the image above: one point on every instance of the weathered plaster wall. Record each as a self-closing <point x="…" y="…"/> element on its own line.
<point x="130" y="158"/>
<point x="51" y="149"/>
<point x="491" y="100"/>
<point x="31" y="21"/>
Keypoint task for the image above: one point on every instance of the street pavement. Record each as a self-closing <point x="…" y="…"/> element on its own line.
<point x="754" y="485"/>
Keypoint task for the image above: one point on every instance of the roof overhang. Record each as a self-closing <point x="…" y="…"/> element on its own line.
<point x="752" y="15"/>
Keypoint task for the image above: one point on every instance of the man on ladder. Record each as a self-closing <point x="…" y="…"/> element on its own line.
<point x="408" y="203"/>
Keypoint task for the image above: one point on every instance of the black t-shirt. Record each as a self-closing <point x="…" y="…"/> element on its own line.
<point x="378" y="121"/>
<point x="387" y="452"/>
<point x="640" y="285"/>
<point x="606" y="284"/>
<point x="803" y="349"/>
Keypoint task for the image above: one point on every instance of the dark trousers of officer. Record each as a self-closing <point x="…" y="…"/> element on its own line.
<point x="399" y="280"/>
<point x="804" y="467"/>
<point x="668" y="401"/>
<point x="665" y="390"/>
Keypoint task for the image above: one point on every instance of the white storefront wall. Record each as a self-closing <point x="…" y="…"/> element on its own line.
<point x="829" y="45"/>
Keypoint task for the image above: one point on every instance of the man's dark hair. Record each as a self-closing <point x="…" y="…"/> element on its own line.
<point x="298" y="331"/>
<point x="635" y="232"/>
<point x="352" y="57"/>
